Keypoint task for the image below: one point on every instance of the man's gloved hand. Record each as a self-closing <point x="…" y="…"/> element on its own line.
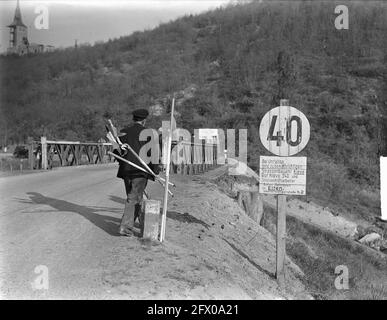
<point x="117" y="149"/>
<point x="125" y="146"/>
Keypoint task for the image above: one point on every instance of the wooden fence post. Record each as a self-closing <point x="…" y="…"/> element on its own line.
<point x="31" y="156"/>
<point x="257" y="204"/>
<point x="240" y="199"/>
<point x="43" y="141"/>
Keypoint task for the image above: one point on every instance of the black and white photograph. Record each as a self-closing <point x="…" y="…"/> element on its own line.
<point x="191" y="154"/>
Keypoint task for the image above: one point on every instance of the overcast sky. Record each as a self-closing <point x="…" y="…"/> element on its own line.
<point x="95" y="20"/>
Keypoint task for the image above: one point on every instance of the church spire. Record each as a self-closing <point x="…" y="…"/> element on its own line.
<point x="17" y="20"/>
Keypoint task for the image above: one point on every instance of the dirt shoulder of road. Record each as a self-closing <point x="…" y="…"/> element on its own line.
<point x="213" y="250"/>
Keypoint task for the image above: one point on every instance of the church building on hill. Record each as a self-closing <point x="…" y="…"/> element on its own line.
<point x="18" y="37"/>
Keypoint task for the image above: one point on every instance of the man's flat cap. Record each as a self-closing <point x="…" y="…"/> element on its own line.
<point x="140" y="114"/>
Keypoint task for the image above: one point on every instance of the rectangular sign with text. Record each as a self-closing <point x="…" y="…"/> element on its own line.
<point x="282" y="175"/>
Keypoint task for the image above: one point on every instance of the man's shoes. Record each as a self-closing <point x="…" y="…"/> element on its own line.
<point x="125" y="232"/>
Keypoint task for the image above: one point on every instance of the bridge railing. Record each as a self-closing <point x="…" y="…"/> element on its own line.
<point x="44" y="153"/>
<point x="187" y="158"/>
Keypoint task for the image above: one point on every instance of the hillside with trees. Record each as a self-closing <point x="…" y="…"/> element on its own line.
<point x="240" y="60"/>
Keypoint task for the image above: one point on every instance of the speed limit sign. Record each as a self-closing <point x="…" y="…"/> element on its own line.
<point x="284" y="131"/>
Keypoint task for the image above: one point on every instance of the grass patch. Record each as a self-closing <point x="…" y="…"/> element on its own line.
<point x="329" y="184"/>
<point x="318" y="253"/>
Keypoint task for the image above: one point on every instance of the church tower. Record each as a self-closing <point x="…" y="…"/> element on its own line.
<point x="18" y="40"/>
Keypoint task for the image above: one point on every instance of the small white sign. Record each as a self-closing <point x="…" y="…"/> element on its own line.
<point x="282" y="175"/>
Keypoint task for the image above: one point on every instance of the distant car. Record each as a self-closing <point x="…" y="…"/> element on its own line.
<point x="20" y="152"/>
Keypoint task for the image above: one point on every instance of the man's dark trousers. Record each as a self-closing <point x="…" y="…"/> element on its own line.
<point x="134" y="187"/>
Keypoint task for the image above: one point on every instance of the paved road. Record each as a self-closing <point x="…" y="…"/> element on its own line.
<point x="66" y="220"/>
<point x="63" y="219"/>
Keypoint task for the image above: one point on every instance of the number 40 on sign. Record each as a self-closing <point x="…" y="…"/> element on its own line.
<point x="284" y="131"/>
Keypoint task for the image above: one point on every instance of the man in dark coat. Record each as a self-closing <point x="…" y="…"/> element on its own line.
<point x="135" y="180"/>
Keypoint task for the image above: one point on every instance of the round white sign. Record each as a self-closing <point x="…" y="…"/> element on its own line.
<point x="284" y="131"/>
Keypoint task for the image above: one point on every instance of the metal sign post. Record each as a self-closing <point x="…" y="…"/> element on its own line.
<point x="284" y="131"/>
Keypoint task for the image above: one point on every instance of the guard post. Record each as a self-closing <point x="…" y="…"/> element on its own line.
<point x="151" y="219"/>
